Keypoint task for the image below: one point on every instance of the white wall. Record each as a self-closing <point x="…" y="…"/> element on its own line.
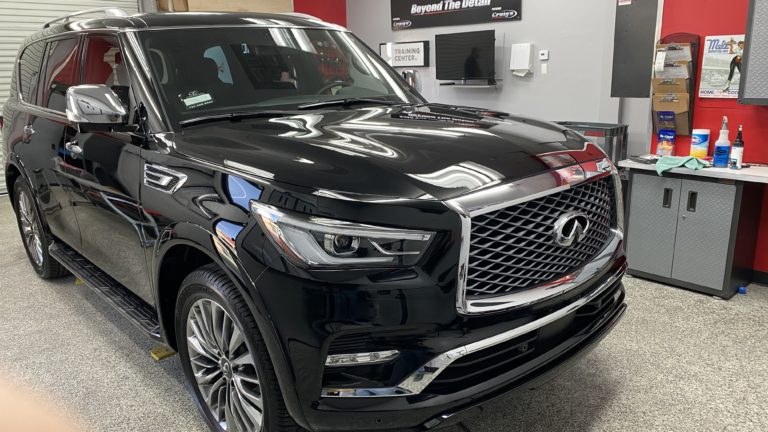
<point x="578" y="34"/>
<point x="636" y="112"/>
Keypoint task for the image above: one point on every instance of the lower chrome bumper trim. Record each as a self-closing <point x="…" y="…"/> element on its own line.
<point x="422" y="377"/>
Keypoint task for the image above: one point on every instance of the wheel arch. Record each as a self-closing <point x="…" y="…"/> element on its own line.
<point x="191" y="245"/>
<point x="12" y="173"/>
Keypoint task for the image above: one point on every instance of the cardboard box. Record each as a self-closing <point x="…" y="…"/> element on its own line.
<point x="266" y="6"/>
<point x="681" y="70"/>
<point x="680" y="52"/>
<point x="671" y="85"/>
<point x="178" y="5"/>
<point x="678" y="103"/>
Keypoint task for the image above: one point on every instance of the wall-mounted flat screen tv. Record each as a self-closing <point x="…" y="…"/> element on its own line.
<point x="466" y="56"/>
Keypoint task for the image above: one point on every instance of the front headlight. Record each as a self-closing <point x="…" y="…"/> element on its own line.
<point x="311" y="241"/>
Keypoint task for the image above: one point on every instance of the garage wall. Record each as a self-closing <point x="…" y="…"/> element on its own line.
<point x="334" y="11"/>
<point x="18" y="19"/>
<point x="578" y="34"/>
<point x="696" y="16"/>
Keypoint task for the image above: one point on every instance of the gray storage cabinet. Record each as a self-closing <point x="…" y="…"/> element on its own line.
<point x="692" y="232"/>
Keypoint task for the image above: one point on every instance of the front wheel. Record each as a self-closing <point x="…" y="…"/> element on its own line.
<point x="34" y="236"/>
<point x="225" y="360"/>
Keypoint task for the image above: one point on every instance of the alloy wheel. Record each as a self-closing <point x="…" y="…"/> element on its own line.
<point x="224" y="368"/>
<point x="30" y="228"/>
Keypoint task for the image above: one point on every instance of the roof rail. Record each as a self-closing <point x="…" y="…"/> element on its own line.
<point x="110" y="11"/>
<point x="302" y="15"/>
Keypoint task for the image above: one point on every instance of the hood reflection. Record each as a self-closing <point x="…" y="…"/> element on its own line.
<point x="404" y="151"/>
<point x="466" y="175"/>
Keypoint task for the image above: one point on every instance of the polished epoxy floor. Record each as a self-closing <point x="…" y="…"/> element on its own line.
<point x="679" y="361"/>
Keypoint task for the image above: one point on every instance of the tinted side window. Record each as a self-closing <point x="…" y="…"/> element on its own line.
<point x="104" y="65"/>
<point x="61" y="72"/>
<point x="29" y="71"/>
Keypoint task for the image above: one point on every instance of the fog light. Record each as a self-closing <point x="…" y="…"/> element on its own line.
<point x="359" y="359"/>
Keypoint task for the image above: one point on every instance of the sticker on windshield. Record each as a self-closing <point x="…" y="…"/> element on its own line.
<point x="195" y="99"/>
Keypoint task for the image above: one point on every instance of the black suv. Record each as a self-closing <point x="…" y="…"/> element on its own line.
<point x="324" y="249"/>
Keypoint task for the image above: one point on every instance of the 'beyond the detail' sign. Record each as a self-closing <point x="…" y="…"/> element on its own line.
<point x="408" y="14"/>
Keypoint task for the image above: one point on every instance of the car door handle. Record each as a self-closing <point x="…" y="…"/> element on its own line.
<point x="28" y="130"/>
<point x="73" y="147"/>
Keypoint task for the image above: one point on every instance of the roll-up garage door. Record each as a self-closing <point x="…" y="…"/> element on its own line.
<point x="20" y="18"/>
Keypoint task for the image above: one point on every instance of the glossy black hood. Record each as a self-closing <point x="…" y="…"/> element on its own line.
<point x="422" y="152"/>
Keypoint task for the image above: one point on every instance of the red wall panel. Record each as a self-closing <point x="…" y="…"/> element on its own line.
<point x="334" y="11"/>
<point x="709" y="18"/>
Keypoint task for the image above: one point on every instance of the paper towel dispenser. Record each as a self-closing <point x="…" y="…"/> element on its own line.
<point x="521" y="62"/>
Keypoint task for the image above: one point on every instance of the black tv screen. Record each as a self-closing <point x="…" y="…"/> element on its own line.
<point x="465" y="56"/>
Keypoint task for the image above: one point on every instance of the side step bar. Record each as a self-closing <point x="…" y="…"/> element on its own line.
<point x="139" y="312"/>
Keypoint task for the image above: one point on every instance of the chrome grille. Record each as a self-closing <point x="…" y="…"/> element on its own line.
<point x="512" y="249"/>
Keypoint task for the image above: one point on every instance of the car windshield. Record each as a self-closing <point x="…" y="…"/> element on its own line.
<point x="208" y="72"/>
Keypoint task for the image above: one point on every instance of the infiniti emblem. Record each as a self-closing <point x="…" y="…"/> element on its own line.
<point x="570" y="228"/>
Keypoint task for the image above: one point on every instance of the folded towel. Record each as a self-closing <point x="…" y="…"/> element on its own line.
<point x="666" y="163"/>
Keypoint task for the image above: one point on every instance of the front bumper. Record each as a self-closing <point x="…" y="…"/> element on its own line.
<point x="450" y="360"/>
<point x="559" y="343"/>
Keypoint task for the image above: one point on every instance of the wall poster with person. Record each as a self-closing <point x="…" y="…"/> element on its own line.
<point x="721" y="68"/>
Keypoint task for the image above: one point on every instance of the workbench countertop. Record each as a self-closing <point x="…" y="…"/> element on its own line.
<point x="753" y="174"/>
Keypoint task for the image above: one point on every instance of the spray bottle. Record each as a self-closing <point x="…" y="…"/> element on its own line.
<point x="737" y="152"/>
<point x="723" y="147"/>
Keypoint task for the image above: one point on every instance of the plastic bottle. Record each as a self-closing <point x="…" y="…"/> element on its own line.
<point x="723" y="147"/>
<point x="737" y="152"/>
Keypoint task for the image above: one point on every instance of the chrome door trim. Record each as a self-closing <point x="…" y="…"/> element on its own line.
<point x="507" y="195"/>
<point x="423" y="376"/>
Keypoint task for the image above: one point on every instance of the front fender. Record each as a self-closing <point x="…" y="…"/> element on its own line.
<point x="219" y="246"/>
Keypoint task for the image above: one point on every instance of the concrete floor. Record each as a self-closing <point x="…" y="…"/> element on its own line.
<point x="679" y="361"/>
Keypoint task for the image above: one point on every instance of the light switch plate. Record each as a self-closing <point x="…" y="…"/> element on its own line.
<point x="544" y="55"/>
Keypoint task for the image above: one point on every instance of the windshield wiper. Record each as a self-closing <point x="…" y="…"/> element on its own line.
<point x="233" y="116"/>
<point x="345" y="102"/>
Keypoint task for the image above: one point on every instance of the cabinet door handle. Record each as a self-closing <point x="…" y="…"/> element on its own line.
<point x="667" y="200"/>
<point x="692" y="198"/>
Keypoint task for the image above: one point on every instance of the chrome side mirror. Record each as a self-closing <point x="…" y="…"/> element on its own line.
<point x="94" y="104"/>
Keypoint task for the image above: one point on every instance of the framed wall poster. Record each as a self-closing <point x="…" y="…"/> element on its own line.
<point x="411" y="14"/>
<point x="405" y="54"/>
<point x="721" y="68"/>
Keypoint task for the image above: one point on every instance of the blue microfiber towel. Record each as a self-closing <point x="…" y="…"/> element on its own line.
<point x="666" y="163"/>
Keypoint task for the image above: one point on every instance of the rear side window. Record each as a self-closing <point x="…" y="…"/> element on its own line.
<point x="29" y="71"/>
<point x="61" y="72"/>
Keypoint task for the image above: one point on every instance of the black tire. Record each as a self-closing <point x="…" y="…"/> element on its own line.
<point x="42" y="262"/>
<point x="210" y="283"/>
